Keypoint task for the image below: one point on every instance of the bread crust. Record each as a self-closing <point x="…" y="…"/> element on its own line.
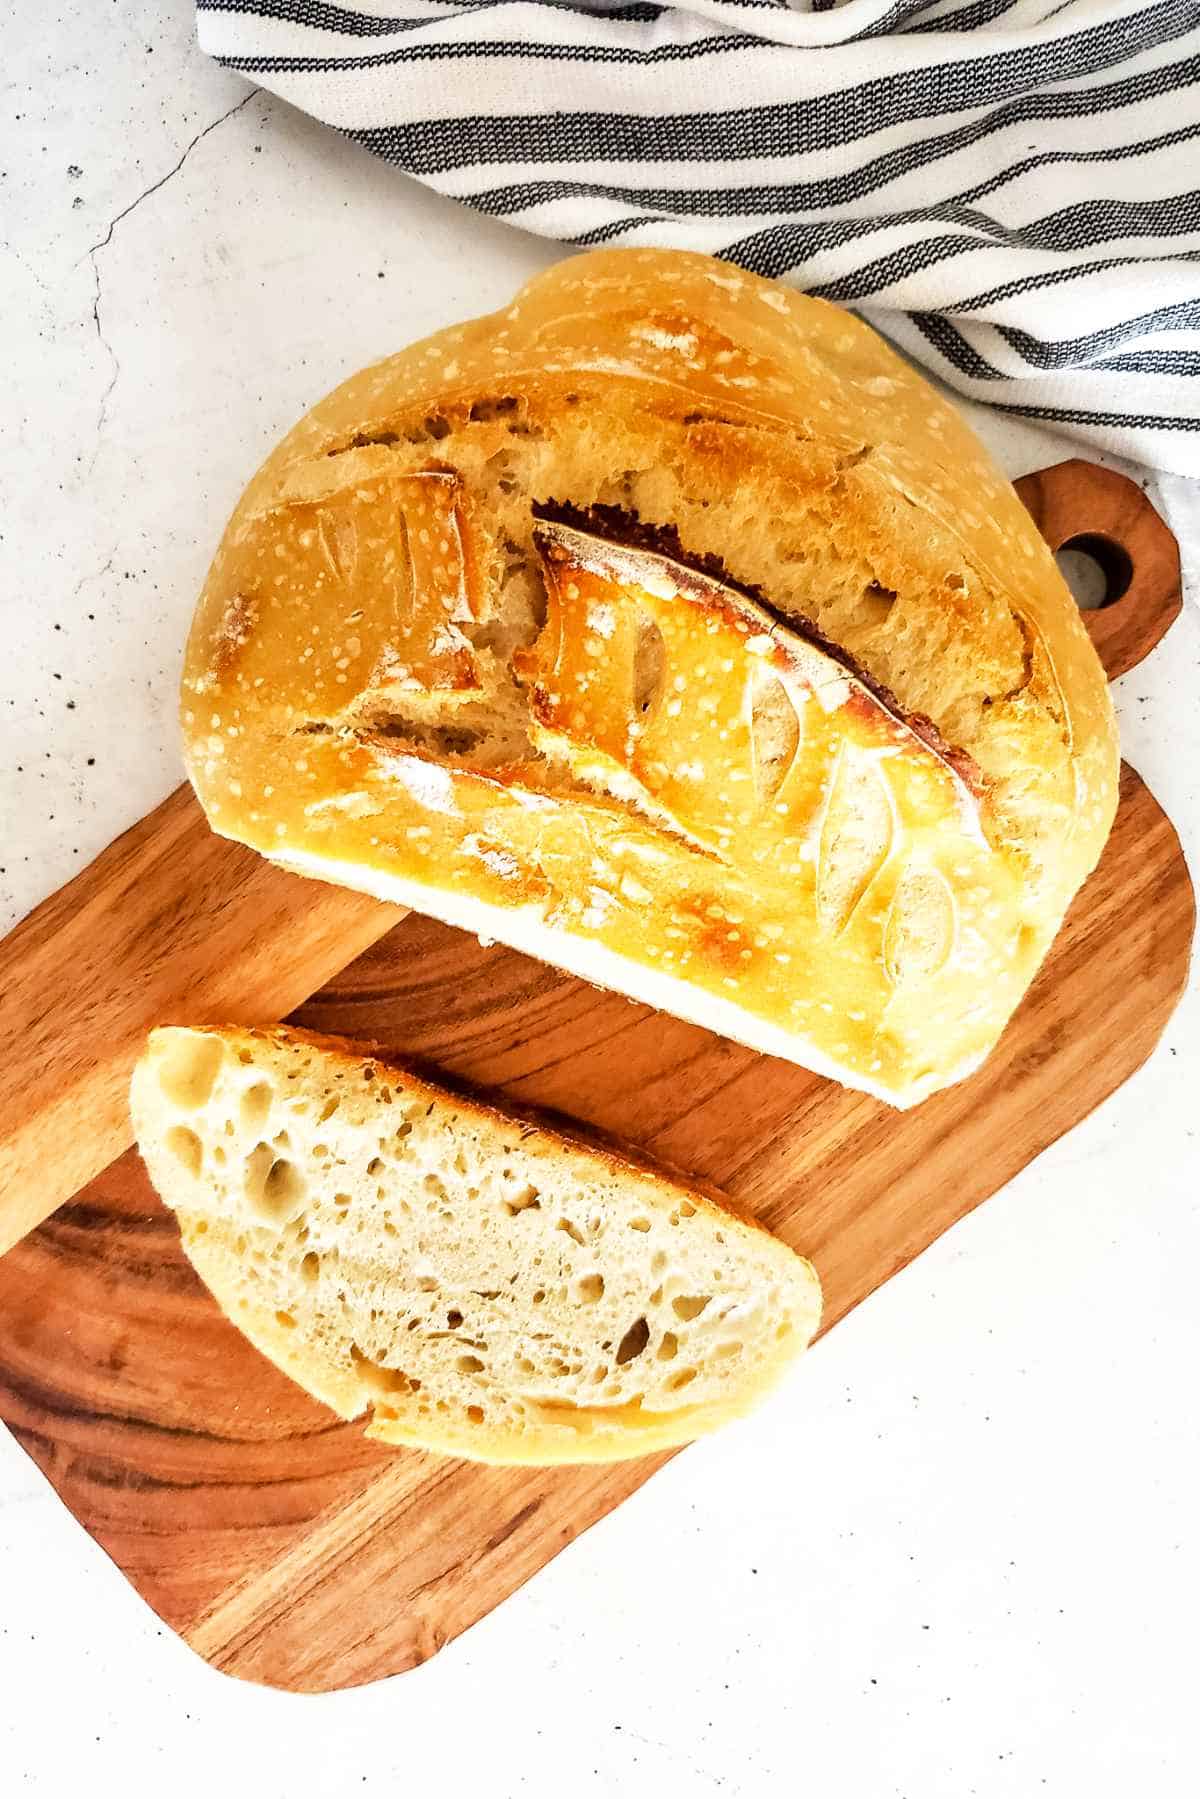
<point x="355" y="648"/>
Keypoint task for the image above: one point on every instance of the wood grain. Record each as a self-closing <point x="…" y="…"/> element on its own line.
<point x="1078" y="504"/>
<point x="169" y="923"/>
<point x="280" y="1543"/>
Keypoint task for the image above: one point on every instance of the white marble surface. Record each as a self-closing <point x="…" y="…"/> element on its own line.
<point x="958" y="1554"/>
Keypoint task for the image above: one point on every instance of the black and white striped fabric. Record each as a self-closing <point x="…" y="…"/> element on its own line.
<point x="1009" y="188"/>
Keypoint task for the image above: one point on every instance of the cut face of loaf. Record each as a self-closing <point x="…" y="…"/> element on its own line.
<point x="669" y="629"/>
<point x="486" y="1287"/>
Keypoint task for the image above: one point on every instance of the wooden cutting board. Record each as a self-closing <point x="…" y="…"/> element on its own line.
<point x="276" y="1540"/>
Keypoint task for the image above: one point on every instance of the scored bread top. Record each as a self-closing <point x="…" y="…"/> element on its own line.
<point x="668" y="627"/>
<point x="486" y="1285"/>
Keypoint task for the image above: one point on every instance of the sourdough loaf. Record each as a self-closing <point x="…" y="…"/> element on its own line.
<point x="485" y="1286"/>
<point x="667" y="627"/>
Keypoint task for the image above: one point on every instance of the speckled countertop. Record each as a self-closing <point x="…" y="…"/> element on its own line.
<point x="957" y="1554"/>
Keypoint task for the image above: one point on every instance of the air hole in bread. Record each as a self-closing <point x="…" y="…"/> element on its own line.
<point x="619" y="490"/>
<point x="329" y="1108"/>
<point x="493" y="407"/>
<point x="783" y="1330"/>
<point x="681" y="1379"/>
<point x="186" y="1147"/>
<point x="538" y="1297"/>
<point x="475" y="1414"/>
<point x="255" y="1106"/>
<point x="639" y="1224"/>
<point x="281" y="1140"/>
<point x="274" y="1187"/>
<point x="877" y="603"/>
<point x="689" y="1306"/>
<point x="668" y="1348"/>
<point x="633" y="1342"/>
<point x="528" y="1199"/>
<point x="591" y="1288"/>
<point x="503" y="472"/>
<point x="383" y="1380"/>
<point x="469" y="1364"/>
<point x="453" y="1319"/>
<point x="375" y="1167"/>
<point x="341" y="1201"/>
<point x="286" y="1319"/>
<point x="725" y="1350"/>
<point x="187" y="1068"/>
<point x="310" y="1268"/>
<point x="710" y="418"/>
<point x="573" y="1231"/>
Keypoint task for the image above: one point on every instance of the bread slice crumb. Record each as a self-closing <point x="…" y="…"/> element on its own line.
<point x="483" y="1285"/>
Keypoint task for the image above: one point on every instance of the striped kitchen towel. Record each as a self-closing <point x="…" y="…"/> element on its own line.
<point x="1010" y="189"/>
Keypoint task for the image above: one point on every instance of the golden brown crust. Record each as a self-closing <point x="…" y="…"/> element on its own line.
<point x="865" y="920"/>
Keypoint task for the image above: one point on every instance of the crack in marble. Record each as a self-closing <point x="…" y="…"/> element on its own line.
<point x="103" y="243"/>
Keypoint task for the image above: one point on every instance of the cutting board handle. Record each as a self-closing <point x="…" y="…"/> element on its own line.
<point x="1078" y="505"/>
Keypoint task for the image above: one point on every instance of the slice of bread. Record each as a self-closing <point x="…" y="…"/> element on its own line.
<point x="488" y="1286"/>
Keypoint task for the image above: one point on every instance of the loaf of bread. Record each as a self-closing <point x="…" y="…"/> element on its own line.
<point x="484" y="1285"/>
<point x="667" y="627"/>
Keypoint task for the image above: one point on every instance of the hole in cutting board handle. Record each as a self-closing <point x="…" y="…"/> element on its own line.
<point x="1097" y="570"/>
<point x="1085" y="511"/>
